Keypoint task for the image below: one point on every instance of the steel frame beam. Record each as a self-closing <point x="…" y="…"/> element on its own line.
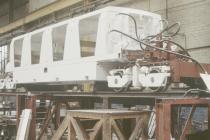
<point x="31" y="104"/>
<point x="20" y="105"/>
<point x="164" y="115"/>
<point x="51" y="8"/>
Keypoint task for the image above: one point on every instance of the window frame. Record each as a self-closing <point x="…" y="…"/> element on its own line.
<point x="41" y="42"/>
<point x="14" y="53"/>
<point x="64" y="41"/>
<point x="98" y="15"/>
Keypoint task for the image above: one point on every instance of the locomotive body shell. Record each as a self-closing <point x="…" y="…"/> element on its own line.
<point x="78" y="49"/>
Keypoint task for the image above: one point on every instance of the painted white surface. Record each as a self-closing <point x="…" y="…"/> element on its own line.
<point x="140" y="76"/>
<point x="206" y="79"/>
<point x="24" y="125"/>
<point x="153" y="79"/>
<point x="74" y="67"/>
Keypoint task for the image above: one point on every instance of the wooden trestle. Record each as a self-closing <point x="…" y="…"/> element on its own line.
<point x="164" y="113"/>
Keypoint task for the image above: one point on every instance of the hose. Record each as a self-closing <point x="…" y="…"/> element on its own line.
<point x="177" y="31"/>
<point x="191" y="90"/>
<point x="178" y="45"/>
<point x="135" y="26"/>
<point x="167" y="29"/>
<point x="161" y="49"/>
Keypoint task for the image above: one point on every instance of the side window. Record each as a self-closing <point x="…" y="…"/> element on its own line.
<point x="36" y="42"/>
<point x="18" y="45"/>
<point x="88" y="28"/>
<point x="58" y="42"/>
<point x="4" y="58"/>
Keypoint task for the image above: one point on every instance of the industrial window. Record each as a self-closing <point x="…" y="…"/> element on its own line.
<point x="88" y="28"/>
<point x="18" y="45"/>
<point x="4" y="58"/>
<point x="36" y="42"/>
<point x="58" y="42"/>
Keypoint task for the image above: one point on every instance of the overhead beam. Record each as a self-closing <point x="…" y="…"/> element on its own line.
<point x="56" y="6"/>
<point x="11" y="10"/>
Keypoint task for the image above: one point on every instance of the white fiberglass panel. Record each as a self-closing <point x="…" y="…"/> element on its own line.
<point x="79" y="44"/>
<point x="146" y="25"/>
<point x="57" y="72"/>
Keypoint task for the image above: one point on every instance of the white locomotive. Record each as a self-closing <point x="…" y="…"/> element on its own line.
<point x="78" y="50"/>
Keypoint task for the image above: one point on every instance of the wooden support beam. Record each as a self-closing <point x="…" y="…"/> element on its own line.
<point x="96" y="128"/>
<point x="57" y="135"/>
<point x="80" y="131"/>
<point x="107" y="130"/>
<point x="138" y="129"/>
<point x="56" y="6"/>
<point x="106" y="121"/>
<point x="117" y="130"/>
<point x="71" y="132"/>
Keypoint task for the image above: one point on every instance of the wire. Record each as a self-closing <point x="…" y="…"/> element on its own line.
<point x="161" y="49"/>
<point x="174" y="25"/>
<point x="191" y="90"/>
<point x="178" y="45"/>
<point x="124" y="87"/>
<point x="135" y="24"/>
<point x="167" y="29"/>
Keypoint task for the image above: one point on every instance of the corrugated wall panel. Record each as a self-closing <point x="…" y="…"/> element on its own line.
<point x="195" y="22"/>
<point x="202" y="55"/>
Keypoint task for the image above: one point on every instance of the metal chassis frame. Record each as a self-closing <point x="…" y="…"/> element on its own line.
<point x="164" y="115"/>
